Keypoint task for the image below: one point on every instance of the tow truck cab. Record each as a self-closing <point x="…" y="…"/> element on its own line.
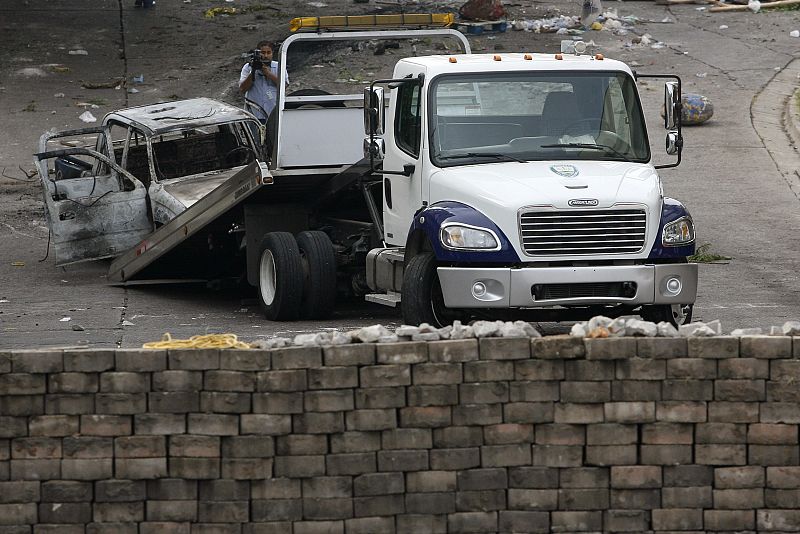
<point x="523" y="183"/>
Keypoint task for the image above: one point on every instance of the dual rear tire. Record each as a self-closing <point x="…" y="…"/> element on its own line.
<point x="296" y="276"/>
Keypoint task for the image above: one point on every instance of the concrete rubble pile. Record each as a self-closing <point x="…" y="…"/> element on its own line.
<point x="597" y="327"/>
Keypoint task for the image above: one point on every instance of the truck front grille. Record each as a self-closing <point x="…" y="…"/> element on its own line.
<point x="573" y="291"/>
<point x="553" y="233"/>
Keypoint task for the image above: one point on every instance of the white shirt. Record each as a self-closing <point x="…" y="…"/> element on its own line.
<point x="263" y="91"/>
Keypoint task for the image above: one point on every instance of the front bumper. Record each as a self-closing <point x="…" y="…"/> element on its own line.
<point x="513" y="288"/>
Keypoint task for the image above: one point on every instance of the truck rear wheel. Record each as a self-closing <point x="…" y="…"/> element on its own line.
<point x="422" y="300"/>
<point x="677" y="314"/>
<point x="319" y="269"/>
<point x="280" y="277"/>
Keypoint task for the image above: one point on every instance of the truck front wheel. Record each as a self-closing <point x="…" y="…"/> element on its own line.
<point x="319" y="268"/>
<point x="280" y="277"/>
<point x="422" y="300"/>
<point x="677" y="314"/>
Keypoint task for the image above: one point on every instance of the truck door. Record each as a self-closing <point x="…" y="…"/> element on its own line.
<point x="94" y="208"/>
<point x="402" y="195"/>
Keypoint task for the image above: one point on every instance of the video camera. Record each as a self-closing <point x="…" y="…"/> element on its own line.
<point x="255" y="60"/>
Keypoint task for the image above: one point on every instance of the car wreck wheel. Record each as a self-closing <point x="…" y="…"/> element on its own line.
<point x="280" y="277"/>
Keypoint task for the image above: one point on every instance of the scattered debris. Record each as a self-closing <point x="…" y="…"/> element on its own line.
<point x="224" y="11"/>
<point x="86" y="116"/>
<point x="482" y="10"/>
<point x="754" y="5"/>
<point x="78" y="52"/>
<point x="59" y="69"/>
<point x="696" y="109"/>
<point x="32" y="72"/>
<point x="18" y="264"/>
<point x="794" y="33"/>
<point x="723" y="27"/>
<point x="59" y="95"/>
<point x="477" y="28"/>
<point x="138" y="79"/>
<point x="78" y="328"/>
<point x="318" y="4"/>
<point x="115" y="83"/>
<point x="65" y="319"/>
<point x="127" y="323"/>
<point x="549" y="25"/>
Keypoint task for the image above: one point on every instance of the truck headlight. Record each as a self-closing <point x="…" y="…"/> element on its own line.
<point x="461" y="236"/>
<point x="677" y="233"/>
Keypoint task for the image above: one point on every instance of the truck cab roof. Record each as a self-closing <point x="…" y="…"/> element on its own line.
<point x="163" y="117"/>
<point x="462" y="63"/>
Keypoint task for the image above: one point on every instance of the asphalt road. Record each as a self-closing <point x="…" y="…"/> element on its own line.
<point x="738" y="175"/>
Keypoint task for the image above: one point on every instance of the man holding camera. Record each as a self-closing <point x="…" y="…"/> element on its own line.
<point x="259" y="80"/>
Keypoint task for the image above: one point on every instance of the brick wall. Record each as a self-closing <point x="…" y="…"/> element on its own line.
<point x="514" y="435"/>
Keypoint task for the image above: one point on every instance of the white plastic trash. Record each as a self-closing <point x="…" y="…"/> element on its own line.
<point x="87" y="117"/>
<point x="794" y="33"/>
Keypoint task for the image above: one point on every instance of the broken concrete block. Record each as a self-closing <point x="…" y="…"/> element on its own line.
<point x="746" y="332"/>
<point x="637" y="327"/>
<point x="666" y="329"/>
<point x="371" y="334"/>
<point x="791" y="328"/>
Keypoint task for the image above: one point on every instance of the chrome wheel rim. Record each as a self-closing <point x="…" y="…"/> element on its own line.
<point x="679" y="313"/>
<point x="266" y="277"/>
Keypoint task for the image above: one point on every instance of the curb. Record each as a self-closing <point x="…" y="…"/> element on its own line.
<point x="791" y="118"/>
<point x="778" y="125"/>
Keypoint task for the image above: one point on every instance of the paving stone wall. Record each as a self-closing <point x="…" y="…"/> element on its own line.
<point x="514" y="435"/>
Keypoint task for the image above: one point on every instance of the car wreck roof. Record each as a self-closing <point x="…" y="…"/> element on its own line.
<point x="179" y="114"/>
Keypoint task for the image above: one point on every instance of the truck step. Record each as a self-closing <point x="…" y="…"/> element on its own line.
<point x="390" y="299"/>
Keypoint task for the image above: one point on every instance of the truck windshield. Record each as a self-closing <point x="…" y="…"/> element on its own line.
<point x="535" y="116"/>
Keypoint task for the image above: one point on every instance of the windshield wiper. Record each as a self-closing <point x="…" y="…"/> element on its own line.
<point x="495" y="155"/>
<point x="589" y="146"/>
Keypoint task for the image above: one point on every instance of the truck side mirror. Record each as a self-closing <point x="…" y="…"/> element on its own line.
<point x="673" y="143"/>
<point x="374" y="149"/>
<point x="374" y="111"/>
<point x="672" y="105"/>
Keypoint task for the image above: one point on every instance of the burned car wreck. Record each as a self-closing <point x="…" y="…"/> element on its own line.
<point x="108" y="187"/>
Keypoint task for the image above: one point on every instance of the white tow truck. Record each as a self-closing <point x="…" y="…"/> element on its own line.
<point x="491" y="185"/>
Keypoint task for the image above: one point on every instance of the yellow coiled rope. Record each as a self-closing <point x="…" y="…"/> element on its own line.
<point x="208" y="341"/>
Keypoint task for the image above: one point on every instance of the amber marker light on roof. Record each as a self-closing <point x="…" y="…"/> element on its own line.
<point x="498" y="58"/>
<point x="453" y="60"/>
<point x="559" y="56"/>
<point x="527" y="57"/>
<point x="598" y="57"/>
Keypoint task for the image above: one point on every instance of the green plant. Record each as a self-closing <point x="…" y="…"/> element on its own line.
<point x="30" y="107"/>
<point x="702" y="255"/>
